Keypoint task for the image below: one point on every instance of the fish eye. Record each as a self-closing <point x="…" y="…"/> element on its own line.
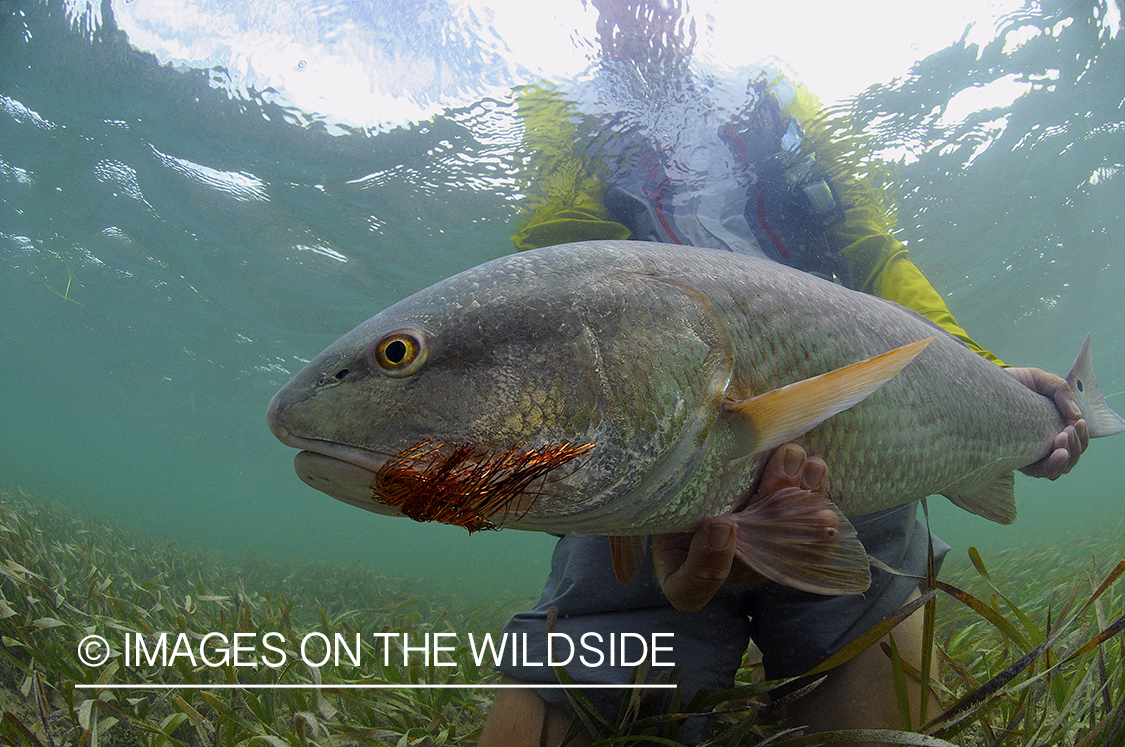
<point x="400" y="353"/>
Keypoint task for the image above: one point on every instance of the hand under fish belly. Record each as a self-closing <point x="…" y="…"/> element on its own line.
<point x="626" y="389"/>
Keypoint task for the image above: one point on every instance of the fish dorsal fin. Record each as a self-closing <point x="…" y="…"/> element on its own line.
<point x="781" y="415"/>
<point x="802" y="540"/>
<point x="628" y="553"/>
<point x="996" y="501"/>
<point x="1101" y="420"/>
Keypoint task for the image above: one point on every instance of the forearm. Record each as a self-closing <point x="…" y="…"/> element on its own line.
<point x="881" y="267"/>
<point x="565" y="186"/>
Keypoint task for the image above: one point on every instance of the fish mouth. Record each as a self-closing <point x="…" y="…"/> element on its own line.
<point x="344" y="479"/>
<point x="339" y="470"/>
<point x="457" y="484"/>
<point x="363" y="460"/>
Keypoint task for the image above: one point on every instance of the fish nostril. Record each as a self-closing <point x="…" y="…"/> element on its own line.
<point x="338" y="376"/>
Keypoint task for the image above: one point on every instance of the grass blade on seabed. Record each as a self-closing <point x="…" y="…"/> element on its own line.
<point x="1028" y="655"/>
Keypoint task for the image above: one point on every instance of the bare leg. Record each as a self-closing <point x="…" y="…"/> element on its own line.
<point x="519" y="718"/>
<point x="861" y="693"/>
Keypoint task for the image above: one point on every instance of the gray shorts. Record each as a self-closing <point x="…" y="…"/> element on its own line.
<point x="795" y="630"/>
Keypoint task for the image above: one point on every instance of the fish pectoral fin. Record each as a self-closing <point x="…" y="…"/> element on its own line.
<point x="995" y="501"/>
<point x="781" y="415"/>
<point x="803" y="540"/>
<point x="628" y="553"/>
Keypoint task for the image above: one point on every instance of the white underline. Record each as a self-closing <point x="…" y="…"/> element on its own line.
<point x="378" y="686"/>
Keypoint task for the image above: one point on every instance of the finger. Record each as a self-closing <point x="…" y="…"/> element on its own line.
<point x="783" y="470"/>
<point x="689" y="581"/>
<point x="1059" y="463"/>
<point x="669" y="553"/>
<point x="1078" y="438"/>
<point x="1037" y="380"/>
<point x="1073" y="447"/>
<point x="1082" y="429"/>
<point x="1055" y="465"/>
<point x="812" y="478"/>
<point x="1065" y="455"/>
<point x="1067" y="404"/>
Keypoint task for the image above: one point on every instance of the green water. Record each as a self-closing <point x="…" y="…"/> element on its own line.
<point x="173" y="248"/>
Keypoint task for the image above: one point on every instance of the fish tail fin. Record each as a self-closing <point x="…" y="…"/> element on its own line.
<point x="801" y="539"/>
<point x="1101" y="420"/>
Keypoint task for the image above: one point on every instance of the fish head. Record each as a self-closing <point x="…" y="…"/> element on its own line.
<point x="531" y="391"/>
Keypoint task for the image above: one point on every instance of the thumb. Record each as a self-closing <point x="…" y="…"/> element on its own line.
<point x="690" y="578"/>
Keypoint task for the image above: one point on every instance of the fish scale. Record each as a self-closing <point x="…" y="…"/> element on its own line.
<point x="790" y="326"/>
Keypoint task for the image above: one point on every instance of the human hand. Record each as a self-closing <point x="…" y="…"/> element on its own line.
<point x="1072" y="440"/>
<point x="692" y="566"/>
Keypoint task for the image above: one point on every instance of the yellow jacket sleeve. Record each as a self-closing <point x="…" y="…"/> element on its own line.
<point x="566" y="186"/>
<point x="878" y="261"/>
<point x="882" y="268"/>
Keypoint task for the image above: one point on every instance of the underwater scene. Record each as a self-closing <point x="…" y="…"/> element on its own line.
<point x="197" y="197"/>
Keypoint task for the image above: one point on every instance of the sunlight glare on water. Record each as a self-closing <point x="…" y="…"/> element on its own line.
<point x="382" y="64"/>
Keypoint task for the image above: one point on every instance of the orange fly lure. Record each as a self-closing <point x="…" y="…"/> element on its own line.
<point x="461" y="486"/>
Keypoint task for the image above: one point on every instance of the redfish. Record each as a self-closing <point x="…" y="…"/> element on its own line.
<point x="626" y="389"/>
